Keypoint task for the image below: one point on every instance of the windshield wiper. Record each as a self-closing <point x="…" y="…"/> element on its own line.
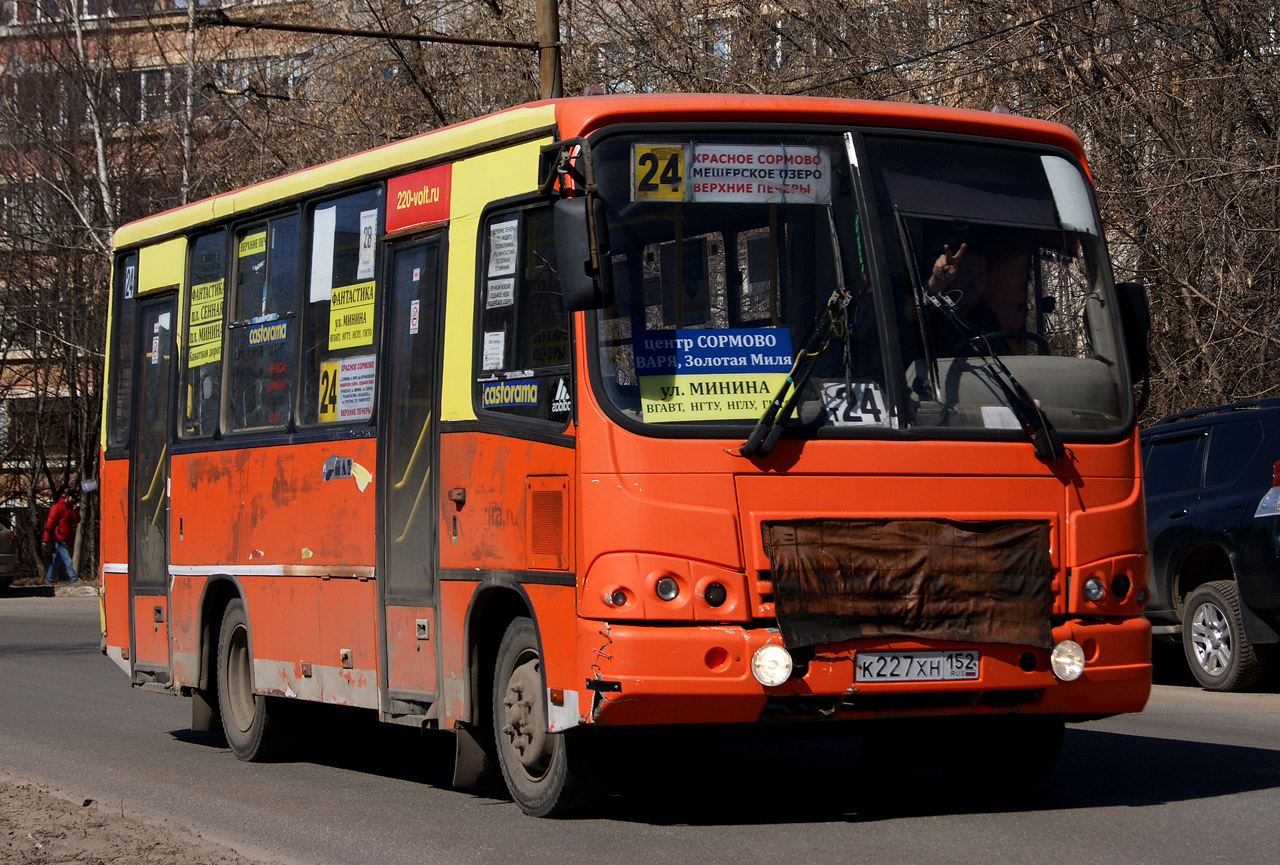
<point x="767" y="430"/>
<point x="1033" y="421"/>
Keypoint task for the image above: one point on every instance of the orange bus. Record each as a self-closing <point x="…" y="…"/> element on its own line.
<point x="618" y="412"/>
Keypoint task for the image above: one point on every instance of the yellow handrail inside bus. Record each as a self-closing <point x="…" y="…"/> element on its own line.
<point x="417" y="451"/>
<point x="417" y="503"/>
<point x="155" y="479"/>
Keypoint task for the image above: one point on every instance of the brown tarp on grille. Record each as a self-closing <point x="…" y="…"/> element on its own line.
<point x="839" y="579"/>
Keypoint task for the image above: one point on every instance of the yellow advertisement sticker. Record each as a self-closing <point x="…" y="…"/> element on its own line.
<point x="199" y="355"/>
<point x="206" y="302"/>
<point x="657" y="171"/>
<point x="204" y="331"/>
<point x="253" y="244"/>
<point x="686" y="398"/>
<point x="351" y="315"/>
<point x="329" y="391"/>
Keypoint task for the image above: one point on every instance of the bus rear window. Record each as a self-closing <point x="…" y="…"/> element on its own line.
<point x="123" y="311"/>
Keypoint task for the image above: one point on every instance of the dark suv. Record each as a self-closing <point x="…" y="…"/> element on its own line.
<point x="1212" y="482"/>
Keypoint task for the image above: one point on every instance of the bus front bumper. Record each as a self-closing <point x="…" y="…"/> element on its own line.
<point x="664" y="674"/>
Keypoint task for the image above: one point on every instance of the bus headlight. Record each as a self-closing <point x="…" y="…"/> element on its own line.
<point x="1067" y="660"/>
<point x="771" y="665"/>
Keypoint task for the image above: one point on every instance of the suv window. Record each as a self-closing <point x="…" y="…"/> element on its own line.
<point x="1174" y="465"/>
<point x="1231" y="447"/>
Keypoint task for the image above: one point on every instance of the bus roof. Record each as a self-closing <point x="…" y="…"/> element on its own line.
<point x="581" y="116"/>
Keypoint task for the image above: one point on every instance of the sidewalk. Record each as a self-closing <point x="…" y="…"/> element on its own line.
<point x="34" y="588"/>
<point x="40" y="825"/>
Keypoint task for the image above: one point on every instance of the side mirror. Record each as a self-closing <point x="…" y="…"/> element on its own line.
<point x="582" y="253"/>
<point x="1135" y="317"/>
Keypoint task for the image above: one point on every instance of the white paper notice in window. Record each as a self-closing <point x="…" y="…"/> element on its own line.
<point x="502" y="292"/>
<point x="356" y="387"/>
<point x="368" y="241"/>
<point x="494" y="344"/>
<point x="502" y="247"/>
<point x="322" y="253"/>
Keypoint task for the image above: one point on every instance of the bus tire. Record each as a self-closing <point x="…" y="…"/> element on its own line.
<point x="535" y="763"/>
<point x="1213" y="639"/>
<point x="248" y="720"/>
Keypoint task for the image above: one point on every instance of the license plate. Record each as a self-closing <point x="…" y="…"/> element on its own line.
<point x="915" y="666"/>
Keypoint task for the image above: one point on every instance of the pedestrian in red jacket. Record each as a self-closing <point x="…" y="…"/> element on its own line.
<point x="59" y="528"/>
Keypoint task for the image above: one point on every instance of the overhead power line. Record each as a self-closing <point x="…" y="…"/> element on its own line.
<point x="219" y="18"/>
<point x="944" y="50"/>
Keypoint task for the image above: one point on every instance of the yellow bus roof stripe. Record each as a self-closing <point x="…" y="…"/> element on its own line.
<point x="162" y="265"/>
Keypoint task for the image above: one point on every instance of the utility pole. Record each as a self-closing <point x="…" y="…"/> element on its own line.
<point x="549" y="80"/>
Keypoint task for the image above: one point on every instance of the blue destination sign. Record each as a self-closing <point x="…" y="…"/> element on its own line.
<point x="709" y="351"/>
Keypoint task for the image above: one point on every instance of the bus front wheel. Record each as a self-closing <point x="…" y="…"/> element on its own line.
<point x="248" y="721"/>
<point x="535" y="763"/>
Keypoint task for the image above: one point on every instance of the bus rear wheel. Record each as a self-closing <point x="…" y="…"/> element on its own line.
<point x="535" y="763"/>
<point x="248" y="720"/>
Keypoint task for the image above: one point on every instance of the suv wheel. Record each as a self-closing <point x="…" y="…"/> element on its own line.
<point x="1220" y="657"/>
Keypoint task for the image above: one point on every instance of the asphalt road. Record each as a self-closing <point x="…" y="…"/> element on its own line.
<point x="1194" y="779"/>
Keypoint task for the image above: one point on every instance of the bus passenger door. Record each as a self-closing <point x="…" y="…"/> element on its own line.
<point x="407" y="520"/>
<point x="149" y="497"/>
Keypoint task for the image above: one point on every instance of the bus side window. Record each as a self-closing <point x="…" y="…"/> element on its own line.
<point x="339" y="364"/>
<point x="263" y="324"/>
<point x="523" y="339"/>
<point x="123" y="312"/>
<point x="201" y="393"/>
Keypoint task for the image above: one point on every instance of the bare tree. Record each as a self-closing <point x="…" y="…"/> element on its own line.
<point x="112" y="109"/>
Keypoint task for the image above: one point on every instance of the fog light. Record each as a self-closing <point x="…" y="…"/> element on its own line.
<point x="618" y="598"/>
<point x="1093" y="588"/>
<point x="771" y="665"/>
<point x="667" y="589"/>
<point x="715" y="595"/>
<point x="1120" y="585"/>
<point x="1067" y="660"/>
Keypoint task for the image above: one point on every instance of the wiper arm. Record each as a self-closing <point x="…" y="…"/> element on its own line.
<point x="917" y="293"/>
<point x="767" y="430"/>
<point x="1035" y="424"/>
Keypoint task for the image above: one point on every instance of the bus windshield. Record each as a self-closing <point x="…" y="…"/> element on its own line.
<point x="967" y="265"/>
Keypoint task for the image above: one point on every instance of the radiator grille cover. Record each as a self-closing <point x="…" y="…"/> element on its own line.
<point x="841" y="579"/>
